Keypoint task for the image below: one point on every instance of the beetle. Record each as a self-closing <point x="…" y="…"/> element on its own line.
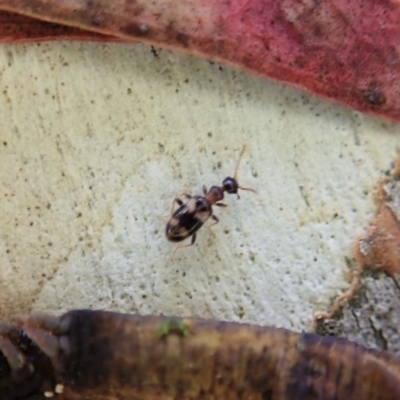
<point x="191" y="215"/>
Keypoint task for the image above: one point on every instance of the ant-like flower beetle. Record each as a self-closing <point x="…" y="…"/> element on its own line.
<point x="190" y="216"/>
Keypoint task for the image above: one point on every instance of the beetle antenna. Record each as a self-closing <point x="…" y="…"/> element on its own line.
<point x="236" y="171"/>
<point x="249" y="189"/>
<point x="238" y="162"/>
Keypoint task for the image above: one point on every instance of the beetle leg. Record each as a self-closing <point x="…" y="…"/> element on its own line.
<point x="220" y="205"/>
<point x="187" y="245"/>
<point x="215" y="218"/>
<point x="204" y="189"/>
<point x="178" y="201"/>
<point x="192" y="242"/>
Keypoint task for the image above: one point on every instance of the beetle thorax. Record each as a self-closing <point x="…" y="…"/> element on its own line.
<point x="214" y="195"/>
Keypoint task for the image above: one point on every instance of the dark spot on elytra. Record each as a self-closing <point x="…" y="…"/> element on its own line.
<point x="374" y="95"/>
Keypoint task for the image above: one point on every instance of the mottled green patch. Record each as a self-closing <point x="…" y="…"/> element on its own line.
<point x="173" y="325"/>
